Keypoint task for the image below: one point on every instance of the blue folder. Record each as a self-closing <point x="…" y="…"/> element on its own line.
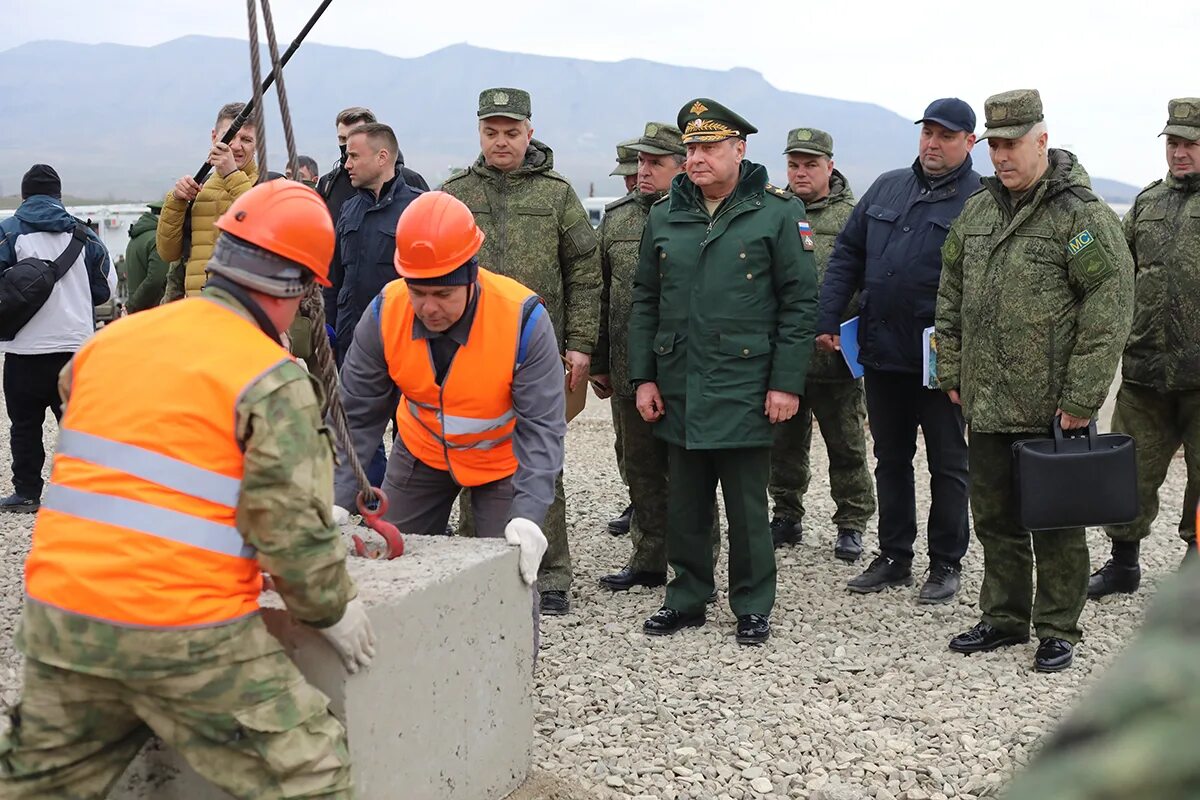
<point x="849" y="334"/>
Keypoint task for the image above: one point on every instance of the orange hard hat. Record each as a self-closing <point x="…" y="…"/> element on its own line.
<point x="285" y="218"/>
<point x="435" y="235"/>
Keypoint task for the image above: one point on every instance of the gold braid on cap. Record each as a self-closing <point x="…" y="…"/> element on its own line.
<point x="708" y="130"/>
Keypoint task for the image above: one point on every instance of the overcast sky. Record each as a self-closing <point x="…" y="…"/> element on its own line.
<point x="1105" y="68"/>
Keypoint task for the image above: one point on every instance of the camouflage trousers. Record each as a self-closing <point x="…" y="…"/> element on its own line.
<point x="619" y="438"/>
<point x="1007" y="598"/>
<point x="1133" y="733"/>
<point x="555" y="572"/>
<point x="646" y="470"/>
<point x="1160" y="423"/>
<point x="841" y="412"/>
<point x="254" y="728"/>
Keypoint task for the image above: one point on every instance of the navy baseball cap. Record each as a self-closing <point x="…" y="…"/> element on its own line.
<point x="950" y="112"/>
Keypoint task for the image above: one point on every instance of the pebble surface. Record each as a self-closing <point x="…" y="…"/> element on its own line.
<point x="853" y="698"/>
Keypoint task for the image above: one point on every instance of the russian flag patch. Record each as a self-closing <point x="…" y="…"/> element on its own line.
<point x="806" y="234"/>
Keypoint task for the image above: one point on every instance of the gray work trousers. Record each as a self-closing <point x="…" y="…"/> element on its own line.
<point x="420" y="497"/>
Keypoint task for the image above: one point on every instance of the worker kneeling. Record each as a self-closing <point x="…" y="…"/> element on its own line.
<point x="183" y="472"/>
<point x="474" y="360"/>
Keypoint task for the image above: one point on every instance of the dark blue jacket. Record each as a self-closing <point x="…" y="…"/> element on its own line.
<point x="366" y="250"/>
<point x="891" y="250"/>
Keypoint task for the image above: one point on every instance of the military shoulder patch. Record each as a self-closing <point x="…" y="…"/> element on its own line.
<point x="806" y="234"/>
<point x="1081" y="242"/>
<point x="952" y="248"/>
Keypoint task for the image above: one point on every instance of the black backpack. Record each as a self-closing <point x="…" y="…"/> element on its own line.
<point x="26" y="285"/>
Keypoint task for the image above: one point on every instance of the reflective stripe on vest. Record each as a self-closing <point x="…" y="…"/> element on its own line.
<point x="138" y="526"/>
<point x="465" y="425"/>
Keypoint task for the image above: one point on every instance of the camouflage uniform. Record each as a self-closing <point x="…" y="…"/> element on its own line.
<point x="1158" y="403"/>
<point x="833" y="397"/>
<point x="538" y="233"/>
<point x="1033" y="309"/>
<point x="1133" y="733"/>
<point x="646" y="465"/>
<point x="226" y="697"/>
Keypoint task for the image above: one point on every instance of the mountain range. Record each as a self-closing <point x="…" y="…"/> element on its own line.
<point x="125" y="122"/>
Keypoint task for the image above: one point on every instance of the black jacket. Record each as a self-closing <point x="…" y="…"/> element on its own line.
<point x="891" y="250"/>
<point x="365" y="254"/>
<point x="335" y="187"/>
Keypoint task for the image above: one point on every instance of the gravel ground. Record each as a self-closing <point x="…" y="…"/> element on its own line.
<point x="853" y="697"/>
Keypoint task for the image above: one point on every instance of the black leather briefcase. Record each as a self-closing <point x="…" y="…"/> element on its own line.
<point x="1075" y="481"/>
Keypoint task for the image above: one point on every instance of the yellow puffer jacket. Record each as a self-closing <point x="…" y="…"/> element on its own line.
<point x="216" y="196"/>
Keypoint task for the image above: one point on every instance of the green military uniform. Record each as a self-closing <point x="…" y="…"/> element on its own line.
<point x="1158" y="403"/>
<point x="1134" y="733"/>
<point x="1032" y="312"/>
<point x="646" y="467"/>
<point x="627" y="165"/>
<point x="539" y="234"/>
<point x="226" y="697"/>
<point x="146" y="271"/>
<point x="833" y="396"/>
<point x="724" y="307"/>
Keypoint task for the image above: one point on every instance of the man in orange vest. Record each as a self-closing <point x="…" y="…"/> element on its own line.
<point x="176" y="484"/>
<point x="474" y="358"/>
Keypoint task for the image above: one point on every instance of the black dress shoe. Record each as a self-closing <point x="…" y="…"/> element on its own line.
<point x="884" y="571"/>
<point x="753" y="629"/>
<point x="555" y="603"/>
<point x="849" y="545"/>
<point x="15" y="504"/>
<point x="619" y="525"/>
<point x="786" y="532"/>
<point x="1114" y="578"/>
<point x="1053" y="655"/>
<point x="666" y="621"/>
<point x="628" y="577"/>
<point x="941" y="585"/>
<point x="984" y="637"/>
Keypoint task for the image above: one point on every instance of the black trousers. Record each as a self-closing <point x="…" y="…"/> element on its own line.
<point x="897" y="404"/>
<point x="30" y="387"/>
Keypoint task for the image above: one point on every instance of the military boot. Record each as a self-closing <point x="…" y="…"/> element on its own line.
<point x="1121" y="574"/>
<point x="786" y="532"/>
<point x="848" y="546"/>
<point x="619" y="525"/>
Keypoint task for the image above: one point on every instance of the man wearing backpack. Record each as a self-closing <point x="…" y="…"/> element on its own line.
<point x="41" y="228"/>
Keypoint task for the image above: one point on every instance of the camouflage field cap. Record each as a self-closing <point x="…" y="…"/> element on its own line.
<point x="1183" y="118"/>
<point x="659" y="139"/>
<point x="626" y="159"/>
<point x="502" y="102"/>
<point x="1011" y="115"/>
<point x="809" y="140"/>
<point x="705" y="120"/>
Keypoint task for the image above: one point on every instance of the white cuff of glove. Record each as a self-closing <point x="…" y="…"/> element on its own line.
<point x="529" y="537"/>
<point x="352" y="637"/>
<point x="340" y="515"/>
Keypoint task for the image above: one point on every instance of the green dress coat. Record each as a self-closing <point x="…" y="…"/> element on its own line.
<point x="724" y="309"/>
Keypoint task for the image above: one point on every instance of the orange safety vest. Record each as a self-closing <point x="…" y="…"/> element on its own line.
<point x="464" y="426"/>
<point x="138" y="524"/>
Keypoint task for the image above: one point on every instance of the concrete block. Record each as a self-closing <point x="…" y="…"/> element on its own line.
<point x="445" y="711"/>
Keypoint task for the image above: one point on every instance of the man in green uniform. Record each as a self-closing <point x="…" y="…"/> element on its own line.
<point x="1033" y="309"/>
<point x="724" y="307"/>
<point x="1158" y="403"/>
<point x="834" y="397"/>
<point x="660" y="153"/>
<point x="627" y="168"/>
<point x="1134" y="732"/>
<point x="147" y="272"/>
<point x="538" y="234"/>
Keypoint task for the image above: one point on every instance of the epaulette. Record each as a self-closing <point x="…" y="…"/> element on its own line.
<point x="1085" y="194"/>
<point x="659" y="200"/>
<point x="552" y="174"/>
<point x="620" y="201"/>
<point x="778" y="192"/>
<point x="458" y="173"/>
<point x="1148" y="188"/>
<point x="977" y="191"/>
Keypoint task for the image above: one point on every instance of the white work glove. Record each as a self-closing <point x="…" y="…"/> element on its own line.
<point x="340" y="516"/>
<point x="529" y="537"/>
<point x="352" y="637"/>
